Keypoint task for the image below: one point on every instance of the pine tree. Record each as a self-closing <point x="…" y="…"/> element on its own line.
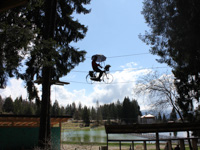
<point x="16" y="34"/>
<point x="52" y="29"/>
<point x="173" y="116"/>
<point x="8" y="105"/>
<point x="85" y="116"/>
<point x="18" y="106"/>
<point x="135" y="111"/>
<point x="62" y="111"/>
<point x="1" y="104"/>
<point x="98" y="114"/>
<point x="93" y="114"/>
<point x="55" y="109"/>
<point x="164" y="119"/>
<point x="159" y="118"/>
<point x="119" y="109"/>
<point x="126" y="111"/>
<point x="174" y="36"/>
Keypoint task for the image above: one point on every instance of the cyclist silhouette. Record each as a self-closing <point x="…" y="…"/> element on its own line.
<point x="96" y="66"/>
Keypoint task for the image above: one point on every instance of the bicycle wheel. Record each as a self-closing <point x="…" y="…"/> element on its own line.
<point x="107" y="78"/>
<point x="89" y="80"/>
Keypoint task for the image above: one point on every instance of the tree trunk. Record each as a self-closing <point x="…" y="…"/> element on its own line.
<point x="45" y="127"/>
<point x="45" y="131"/>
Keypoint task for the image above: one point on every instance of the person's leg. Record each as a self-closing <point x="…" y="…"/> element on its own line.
<point x="100" y="73"/>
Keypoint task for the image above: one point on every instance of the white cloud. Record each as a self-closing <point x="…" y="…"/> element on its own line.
<point x="15" y="88"/>
<point x="122" y="86"/>
<point x="129" y="65"/>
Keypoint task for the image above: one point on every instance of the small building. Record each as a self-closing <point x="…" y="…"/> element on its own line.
<point x="147" y="119"/>
<point x="22" y="131"/>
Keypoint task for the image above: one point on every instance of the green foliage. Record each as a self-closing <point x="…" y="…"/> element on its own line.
<point x="1" y="104"/>
<point x="99" y="113"/>
<point x="8" y="105"/>
<point x="56" y="52"/>
<point x="130" y="111"/>
<point x="126" y="110"/>
<point x="109" y="112"/>
<point x="173" y="116"/>
<point x="174" y="36"/>
<point x="93" y="113"/>
<point x="164" y="119"/>
<point x="29" y="25"/>
<point x="15" y="35"/>
<point x="55" y="109"/>
<point x="159" y="118"/>
<point x="86" y="116"/>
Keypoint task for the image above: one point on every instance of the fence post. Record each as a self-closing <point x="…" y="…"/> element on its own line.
<point x="169" y="144"/>
<point x="132" y="145"/>
<point x="145" y="145"/>
<point x="182" y="144"/>
<point x="194" y="144"/>
<point x="157" y="141"/>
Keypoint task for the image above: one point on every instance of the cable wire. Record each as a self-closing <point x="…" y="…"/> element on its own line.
<point x="123" y="70"/>
<point x="128" y="55"/>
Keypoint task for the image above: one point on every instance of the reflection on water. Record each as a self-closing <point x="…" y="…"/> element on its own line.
<point x="92" y="135"/>
<point x="99" y="135"/>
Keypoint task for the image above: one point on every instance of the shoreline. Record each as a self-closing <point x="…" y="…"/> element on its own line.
<point x="111" y="147"/>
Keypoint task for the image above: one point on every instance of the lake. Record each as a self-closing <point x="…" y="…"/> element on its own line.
<point x="99" y="135"/>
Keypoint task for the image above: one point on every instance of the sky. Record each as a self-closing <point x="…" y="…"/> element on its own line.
<point x="113" y="29"/>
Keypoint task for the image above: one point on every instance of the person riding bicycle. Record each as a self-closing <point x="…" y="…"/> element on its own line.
<point x="96" y="66"/>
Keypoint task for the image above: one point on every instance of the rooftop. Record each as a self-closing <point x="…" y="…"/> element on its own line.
<point x="151" y="128"/>
<point x="28" y="120"/>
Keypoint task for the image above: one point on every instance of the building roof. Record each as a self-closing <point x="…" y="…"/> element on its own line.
<point x="28" y="120"/>
<point x="8" y="4"/>
<point x="151" y="128"/>
<point x="148" y="116"/>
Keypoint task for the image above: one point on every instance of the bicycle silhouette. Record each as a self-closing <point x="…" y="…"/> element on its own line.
<point x="106" y="77"/>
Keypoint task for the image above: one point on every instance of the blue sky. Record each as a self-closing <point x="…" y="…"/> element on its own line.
<point x="113" y="29"/>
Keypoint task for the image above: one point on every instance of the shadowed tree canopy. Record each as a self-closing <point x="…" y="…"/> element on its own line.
<point x="130" y="111"/>
<point x="24" y="27"/>
<point x="174" y="36"/>
<point x="52" y="29"/>
<point x="15" y="35"/>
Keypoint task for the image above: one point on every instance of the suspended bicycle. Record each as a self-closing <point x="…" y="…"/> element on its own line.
<point x="93" y="75"/>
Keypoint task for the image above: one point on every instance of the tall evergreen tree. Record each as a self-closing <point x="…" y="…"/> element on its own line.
<point x="164" y="118"/>
<point x="55" y="109"/>
<point x="126" y="111"/>
<point x="135" y="111"/>
<point x="16" y="35"/>
<point x="93" y="113"/>
<point x="85" y="116"/>
<point x="52" y="29"/>
<point x="174" y="37"/>
<point x="173" y="116"/>
<point x="62" y="111"/>
<point x="29" y="110"/>
<point x="98" y="114"/>
<point x="18" y="110"/>
<point x="1" y="104"/>
<point x="119" y="109"/>
<point x="8" y="105"/>
<point x="159" y="118"/>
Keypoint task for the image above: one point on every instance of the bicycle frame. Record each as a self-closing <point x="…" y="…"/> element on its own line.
<point x="106" y="77"/>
